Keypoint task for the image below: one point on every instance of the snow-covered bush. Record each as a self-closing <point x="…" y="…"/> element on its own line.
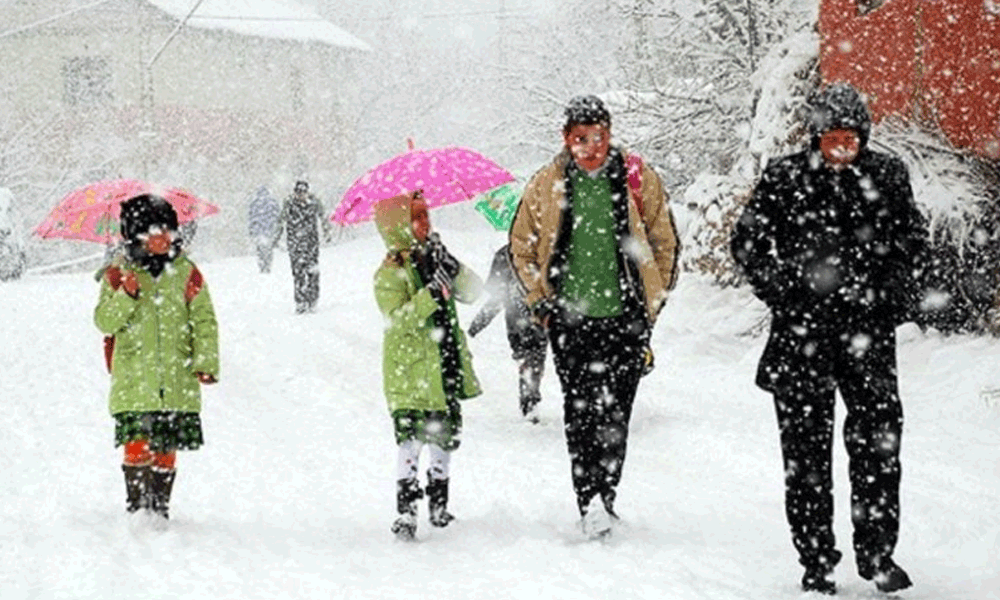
<point x="958" y="194"/>
<point x="12" y="256"/>
<point x="786" y="76"/>
<point x="709" y="209"/>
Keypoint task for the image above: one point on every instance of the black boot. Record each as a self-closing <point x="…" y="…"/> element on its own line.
<point x="819" y="572"/>
<point x="437" y="502"/>
<point x="136" y="487"/>
<point x="161" y="485"/>
<point x="407" y="493"/>
<point x="817" y="579"/>
<point x="887" y="575"/>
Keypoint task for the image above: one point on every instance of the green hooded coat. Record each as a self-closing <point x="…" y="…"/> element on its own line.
<point x="411" y="355"/>
<point x="162" y="338"/>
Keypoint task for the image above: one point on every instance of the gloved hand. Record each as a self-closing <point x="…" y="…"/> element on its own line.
<point x="130" y="284"/>
<point x="648" y="361"/>
<point x="442" y="258"/>
<point x="440" y="284"/>
<point x="205" y="378"/>
<point x="541" y="312"/>
<point x="114" y="277"/>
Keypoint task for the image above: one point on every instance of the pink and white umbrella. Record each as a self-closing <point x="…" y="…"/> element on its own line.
<point x="444" y="175"/>
<point x="91" y="213"/>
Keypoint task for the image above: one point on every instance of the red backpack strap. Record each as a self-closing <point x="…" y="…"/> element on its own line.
<point x="194" y="283"/>
<point x="109" y="350"/>
<point x="633" y="166"/>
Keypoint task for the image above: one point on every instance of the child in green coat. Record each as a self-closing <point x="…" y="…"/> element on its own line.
<point x="155" y="309"/>
<point x="426" y="363"/>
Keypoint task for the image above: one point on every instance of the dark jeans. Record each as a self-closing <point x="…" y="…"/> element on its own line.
<point x="866" y="379"/>
<point x="599" y="363"/>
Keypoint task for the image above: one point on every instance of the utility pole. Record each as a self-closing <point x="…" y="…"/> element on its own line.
<point x="147" y="132"/>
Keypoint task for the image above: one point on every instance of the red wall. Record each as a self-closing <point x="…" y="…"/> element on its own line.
<point x="936" y="60"/>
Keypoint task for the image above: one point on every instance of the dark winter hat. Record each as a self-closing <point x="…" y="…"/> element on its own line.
<point x="301" y="186"/>
<point x="839" y="106"/>
<point x="144" y="211"/>
<point x="586" y="110"/>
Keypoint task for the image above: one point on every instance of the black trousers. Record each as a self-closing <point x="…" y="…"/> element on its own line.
<point x="305" y="276"/>
<point x="863" y="368"/>
<point x="530" y="367"/>
<point x="599" y="364"/>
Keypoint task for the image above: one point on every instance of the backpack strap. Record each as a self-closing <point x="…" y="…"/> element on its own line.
<point x="194" y="283"/>
<point x="633" y="166"/>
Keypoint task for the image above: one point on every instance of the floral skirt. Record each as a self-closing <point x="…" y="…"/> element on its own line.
<point x="165" y="431"/>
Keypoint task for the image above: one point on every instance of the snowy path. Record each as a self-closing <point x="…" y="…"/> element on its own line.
<point x="292" y="496"/>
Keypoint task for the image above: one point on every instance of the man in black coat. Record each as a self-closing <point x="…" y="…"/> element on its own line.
<point x="832" y="242"/>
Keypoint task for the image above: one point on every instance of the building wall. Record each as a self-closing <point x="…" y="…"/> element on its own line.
<point x="936" y="61"/>
<point x="228" y="113"/>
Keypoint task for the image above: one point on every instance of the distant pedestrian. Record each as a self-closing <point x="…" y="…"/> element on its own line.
<point x="263" y="211"/>
<point x="597" y="269"/>
<point x="162" y="345"/>
<point x="832" y="241"/>
<point x="426" y="364"/>
<point x="526" y="337"/>
<point x="302" y="216"/>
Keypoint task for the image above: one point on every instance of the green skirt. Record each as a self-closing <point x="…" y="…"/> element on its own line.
<point x="439" y="427"/>
<point x="166" y="431"/>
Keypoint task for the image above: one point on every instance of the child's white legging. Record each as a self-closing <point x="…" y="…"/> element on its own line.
<point x="409" y="460"/>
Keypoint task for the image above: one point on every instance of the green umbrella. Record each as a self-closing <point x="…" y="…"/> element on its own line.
<point x="499" y="205"/>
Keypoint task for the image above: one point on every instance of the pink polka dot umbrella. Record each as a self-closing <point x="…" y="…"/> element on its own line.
<point x="444" y="176"/>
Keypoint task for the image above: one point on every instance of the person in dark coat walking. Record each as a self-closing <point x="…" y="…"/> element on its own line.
<point x="832" y="241"/>
<point x="262" y="219"/>
<point x="302" y="216"/>
<point x="526" y="338"/>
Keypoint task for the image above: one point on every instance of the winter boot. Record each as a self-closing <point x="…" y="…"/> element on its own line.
<point x="608" y="496"/>
<point x="887" y="575"/>
<point x="529" y="407"/>
<point x="162" y="484"/>
<point x="596" y="522"/>
<point x="136" y="487"/>
<point x="437" y="502"/>
<point x="817" y="579"/>
<point x="407" y="493"/>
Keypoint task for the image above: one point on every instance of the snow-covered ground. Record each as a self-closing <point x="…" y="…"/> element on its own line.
<point x="293" y="495"/>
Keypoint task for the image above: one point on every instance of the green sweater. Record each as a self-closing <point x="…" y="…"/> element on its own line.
<point x="591" y="282"/>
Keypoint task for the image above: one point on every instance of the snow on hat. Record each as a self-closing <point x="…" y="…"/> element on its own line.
<point x="839" y="106"/>
<point x="586" y="110"/>
<point x="140" y="213"/>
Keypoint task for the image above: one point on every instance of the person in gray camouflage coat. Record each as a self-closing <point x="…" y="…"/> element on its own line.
<point x="526" y="338"/>
<point x="301" y="217"/>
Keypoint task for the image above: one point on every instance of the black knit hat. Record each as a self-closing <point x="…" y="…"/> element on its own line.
<point x="586" y="110"/>
<point x="142" y="212"/>
<point x="839" y="106"/>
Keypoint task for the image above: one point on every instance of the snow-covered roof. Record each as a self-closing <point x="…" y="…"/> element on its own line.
<point x="281" y="19"/>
